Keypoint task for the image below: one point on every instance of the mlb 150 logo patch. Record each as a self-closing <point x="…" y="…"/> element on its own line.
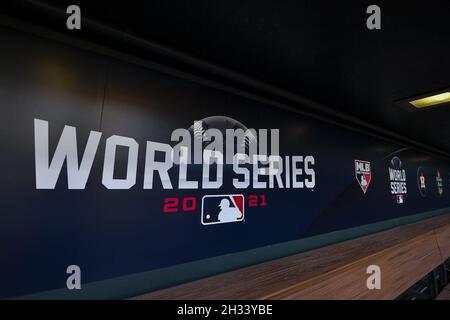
<point x="363" y="174"/>
<point x="222" y="208"/>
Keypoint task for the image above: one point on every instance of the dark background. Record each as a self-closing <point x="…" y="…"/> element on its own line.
<point x="320" y="55"/>
<point x="110" y="233"/>
<point x="319" y="50"/>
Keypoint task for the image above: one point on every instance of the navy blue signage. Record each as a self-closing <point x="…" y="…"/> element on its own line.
<point x="95" y="173"/>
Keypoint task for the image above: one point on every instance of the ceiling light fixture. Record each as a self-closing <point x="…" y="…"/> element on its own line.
<point x="426" y="101"/>
<point x="431" y="100"/>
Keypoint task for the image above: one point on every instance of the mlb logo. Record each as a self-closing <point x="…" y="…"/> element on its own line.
<point x="222" y="208"/>
<point x="400" y="198"/>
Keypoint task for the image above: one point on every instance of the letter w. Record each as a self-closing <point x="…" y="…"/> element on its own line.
<point x="47" y="176"/>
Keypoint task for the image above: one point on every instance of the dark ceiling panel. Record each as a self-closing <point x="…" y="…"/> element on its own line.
<point x="320" y="50"/>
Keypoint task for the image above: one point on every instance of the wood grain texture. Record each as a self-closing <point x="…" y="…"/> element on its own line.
<point x="443" y="240"/>
<point x="445" y="294"/>
<point x="338" y="271"/>
<point x="400" y="265"/>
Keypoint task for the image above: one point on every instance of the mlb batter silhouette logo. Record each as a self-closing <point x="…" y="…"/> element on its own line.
<point x="222" y="208"/>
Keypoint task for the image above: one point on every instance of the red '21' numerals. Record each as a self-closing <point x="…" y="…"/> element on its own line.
<point x="254" y="200"/>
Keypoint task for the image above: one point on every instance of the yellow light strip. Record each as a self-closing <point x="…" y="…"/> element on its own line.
<point x="431" y="100"/>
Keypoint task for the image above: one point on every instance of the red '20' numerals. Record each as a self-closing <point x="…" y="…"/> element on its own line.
<point x="172" y="204"/>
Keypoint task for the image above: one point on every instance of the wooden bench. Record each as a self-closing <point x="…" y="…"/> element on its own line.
<point x="445" y="294"/>
<point x="405" y="254"/>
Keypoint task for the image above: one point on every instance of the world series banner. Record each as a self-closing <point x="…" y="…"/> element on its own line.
<point x="120" y="169"/>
